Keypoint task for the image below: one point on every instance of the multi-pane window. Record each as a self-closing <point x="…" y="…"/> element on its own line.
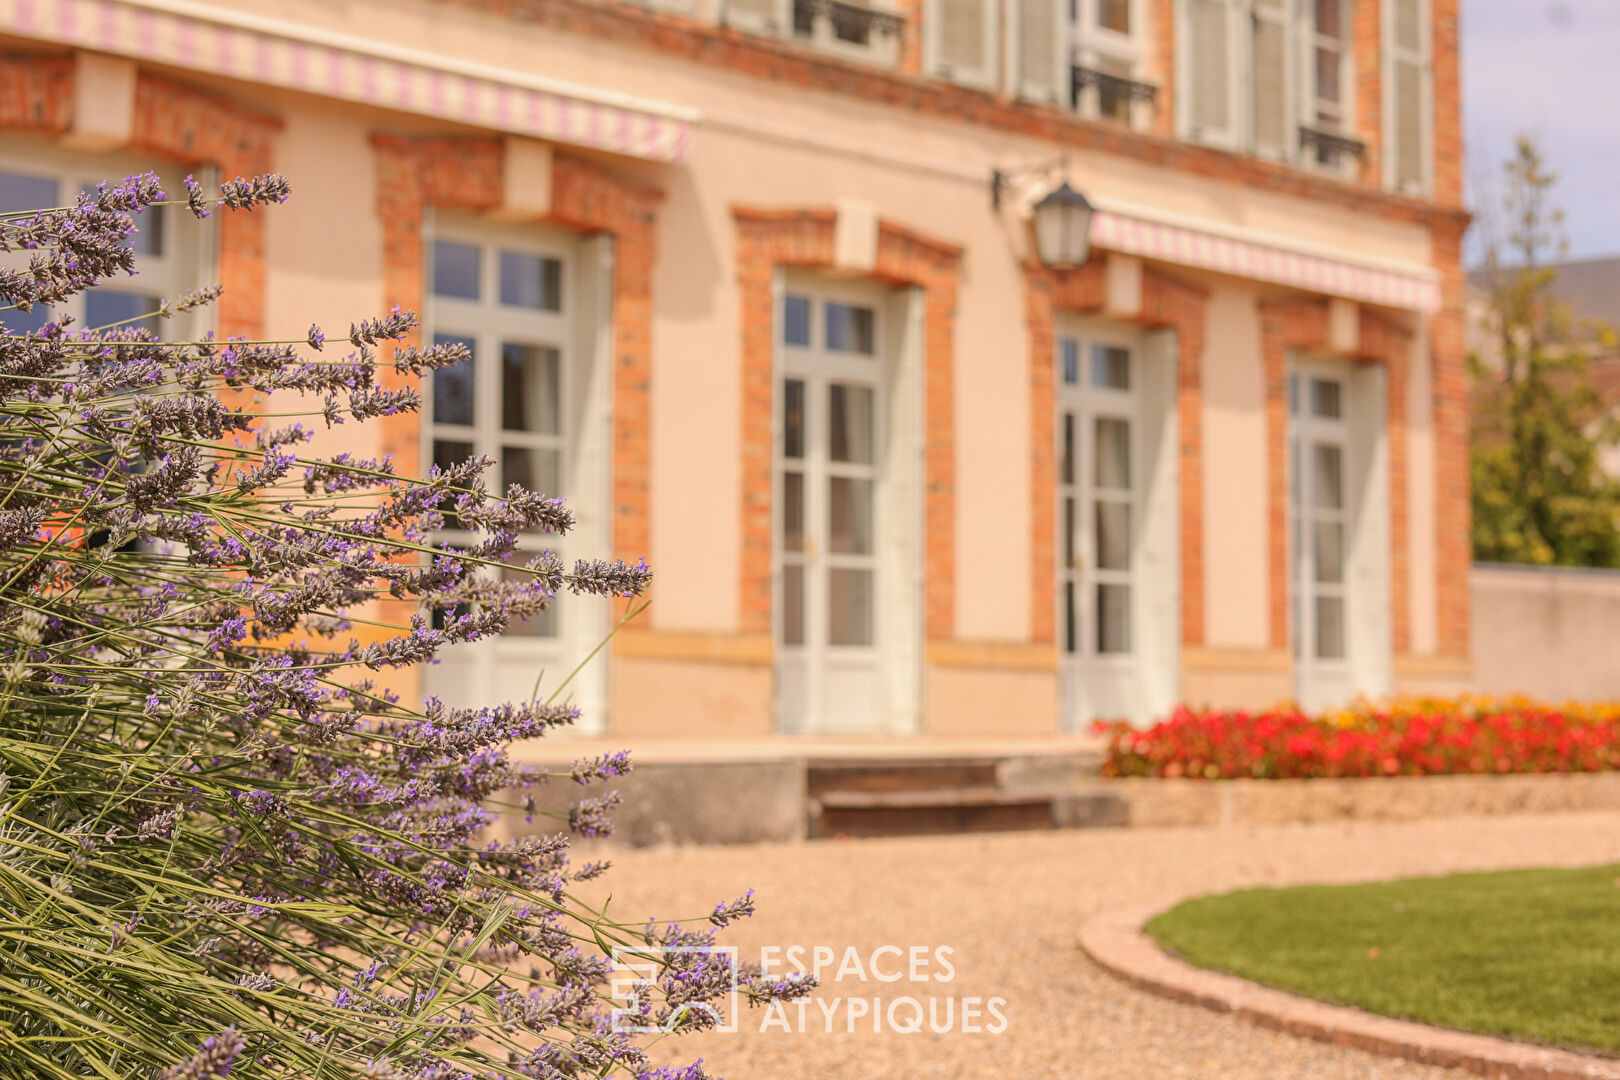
<point x="1319" y="514"/>
<point x="1106" y="57"/>
<point x="860" y="29"/>
<point x="167" y="259"/>
<point x="1097" y="485"/>
<point x="507" y="302"/>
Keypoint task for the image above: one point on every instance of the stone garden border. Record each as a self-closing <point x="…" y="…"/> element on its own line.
<point x="1115" y="941"/>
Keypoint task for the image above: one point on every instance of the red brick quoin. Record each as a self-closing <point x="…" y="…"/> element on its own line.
<point x="467" y="174"/>
<point x="173" y="122"/>
<point x="768" y="239"/>
<point x="1166" y="303"/>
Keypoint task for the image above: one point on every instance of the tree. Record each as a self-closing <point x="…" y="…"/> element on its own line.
<point x="225" y="848"/>
<point x="1540" y="493"/>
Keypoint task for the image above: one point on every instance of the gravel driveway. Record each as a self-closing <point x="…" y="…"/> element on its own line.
<point x="1008" y="906"/>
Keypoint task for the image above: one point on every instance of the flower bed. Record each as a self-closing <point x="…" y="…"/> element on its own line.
<point x="1405" y="737"/>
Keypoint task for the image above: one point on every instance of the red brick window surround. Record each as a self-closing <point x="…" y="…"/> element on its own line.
<point x="1303" y="324"/>
<point x="173" y="122"/>
<point x="467" y="173"/>
<point x="769" y="239"/>
<point x="1166" y="303"/>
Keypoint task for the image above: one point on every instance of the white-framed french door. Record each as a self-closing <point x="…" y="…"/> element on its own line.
<point x="1099" y="489"/>
<point x="1321" y="513"/>
<point x="530" y="304"/>
<point x="1338" y="531"/>
<point x="830" y="486"/>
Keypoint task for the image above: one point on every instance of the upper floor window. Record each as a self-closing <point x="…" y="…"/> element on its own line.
<point x="168" y="256"/>
<point x="860" y="29"/>
<point x="1106" y="60"/>
<point x="1272" y="78"/>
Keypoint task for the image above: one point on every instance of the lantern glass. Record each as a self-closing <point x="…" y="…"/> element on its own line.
<point x="1063" y="227"/>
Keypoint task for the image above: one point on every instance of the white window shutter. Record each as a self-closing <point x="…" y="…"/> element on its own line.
<point x="1406" y="59"/>
<point x="1273" y="115"/>
<point x="1042" y="73"/>
<point x="1408" y="105"/>
<point x="1211" y="109"/>
<point x="962" y="41"/>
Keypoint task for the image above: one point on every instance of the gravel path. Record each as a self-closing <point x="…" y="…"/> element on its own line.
<point x="1008" y="905"/>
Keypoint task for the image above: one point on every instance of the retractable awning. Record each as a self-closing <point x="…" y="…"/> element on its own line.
<point x="215" y="39"/>
<point x="1263" y="257"/>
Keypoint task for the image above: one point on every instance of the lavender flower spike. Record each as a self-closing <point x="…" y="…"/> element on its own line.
<point x="214" y="1060"/>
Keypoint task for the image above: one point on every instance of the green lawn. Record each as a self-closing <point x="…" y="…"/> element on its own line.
<point x="1530" y="954"/>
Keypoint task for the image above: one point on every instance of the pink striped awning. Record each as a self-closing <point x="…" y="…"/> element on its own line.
<point x="216" y="39"/>
<point x="1414" y="289"/>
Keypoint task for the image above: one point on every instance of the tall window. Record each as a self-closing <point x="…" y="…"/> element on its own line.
<point x="168" y="258"/>
<point x="1320" y="514"/>
<point x="1107" y="54"/>
<point x="860" y="29"/>
<point x="507" y="301"/>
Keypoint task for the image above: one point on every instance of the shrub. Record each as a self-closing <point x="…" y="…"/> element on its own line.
<point x="224" y="847"/>
<point x="1406" y="737"/>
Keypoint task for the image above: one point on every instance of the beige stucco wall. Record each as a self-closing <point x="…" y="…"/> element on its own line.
<point x="1551" y="633"/>
<point x="984" y="703"/>
<point x="656" y="698"/>
<point x="1236" y="574"/>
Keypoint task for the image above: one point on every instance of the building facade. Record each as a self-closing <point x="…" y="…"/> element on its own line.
<point x="739" y="285"/>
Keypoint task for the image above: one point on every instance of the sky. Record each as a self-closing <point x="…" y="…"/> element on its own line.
<point x="1547" y="67"/>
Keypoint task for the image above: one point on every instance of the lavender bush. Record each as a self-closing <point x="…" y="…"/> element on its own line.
<point x="224" y="847"/>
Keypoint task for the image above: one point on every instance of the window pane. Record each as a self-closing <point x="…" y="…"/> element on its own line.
<point x="793" y="418"/>
<point x="1110" y="367"/>
<point x="530" y="392"/>
<point x="849" y="606"/>
<point x="148" y="238"/>
<point x="26" y="322"/>
<point x="1113" y="535"/>
<point x="849" y="329"/>
<point x="1327" y="18"/>
<point x="1114" y="15"/>
<point x="1293" y="395"/>
<point x="448" y="452"/>
<point x="850" y="418"/>
<point x="530" y="281"/>
<point x="532" y="468"/>
<point x="804" y="18"/>
<point x="18" y="193"/>
<point x="1071" y="361"/>
<point x="792" y="511"/>
<point x="856" y="31"/>
<point x="1113" y="450"/>
<point x="1325" y="398"/>
<point x="1113" y="619"/>
<point x="1327" y="479"/>
<point x="796" y="320"/>
<point x="104" y="307"/>
<point x="1071" y="619"/>
<point x="1068" y="448"/>
<point x="1327" y="549"/>
<point x="1070" y="551"/>
<point x="793" y="605"/>
<point x="850" y="516"/>
<point x="453" y="386"/>
<point x="542" y="624"/>
<point x="455" y="270"/>
<point x="1330" y="627"/>
<point x="1327" y="75"/>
